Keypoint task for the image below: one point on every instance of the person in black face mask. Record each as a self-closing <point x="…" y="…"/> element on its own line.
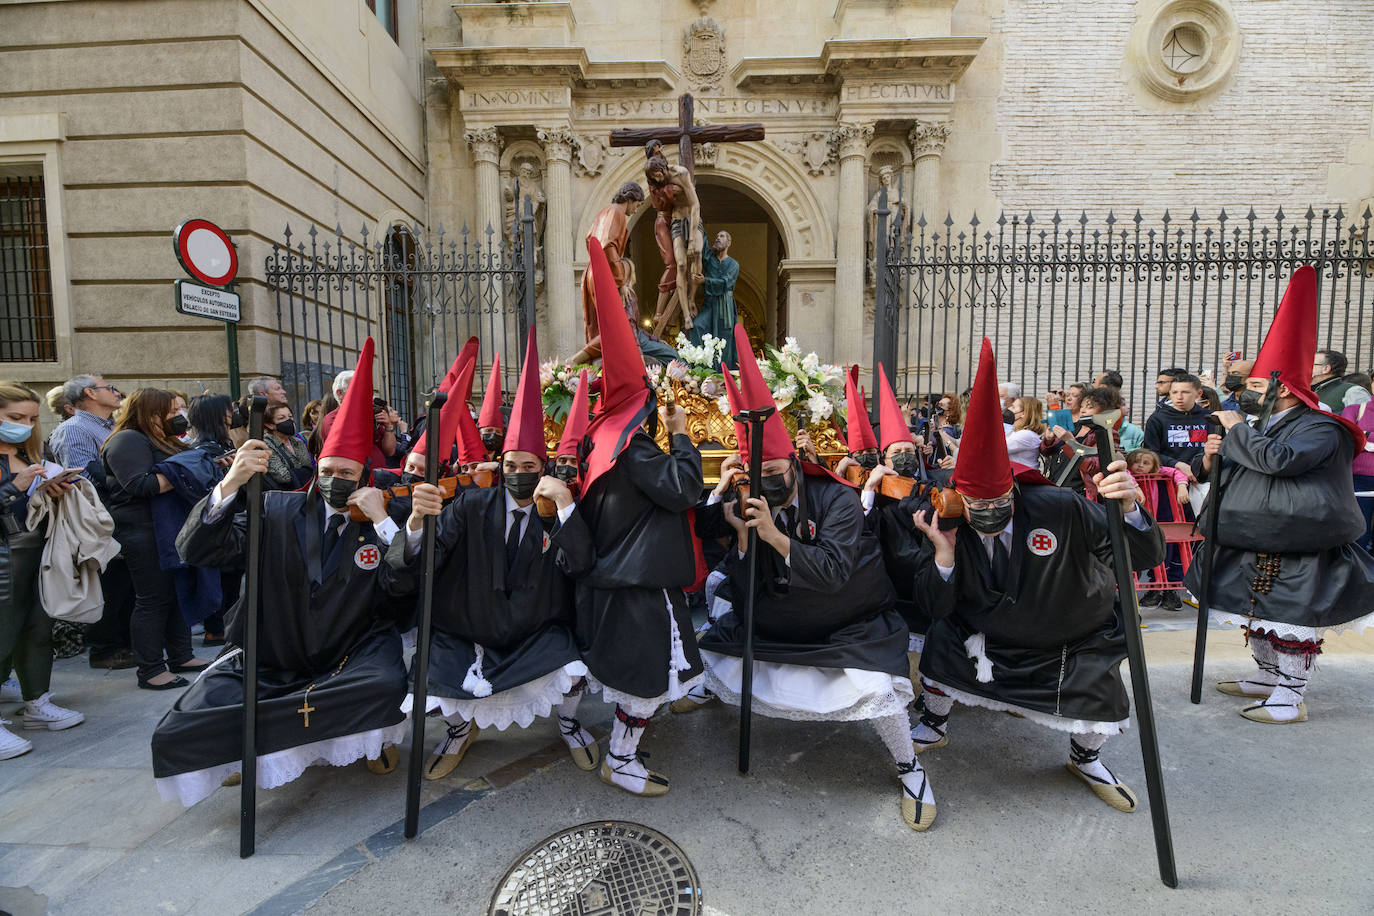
<point x="290" y="466"/>
<point x="1233" y="382"/>
<point x="1022" y="598"/>
<point x="825" y="624"/>
<point x="326" y="642"/>
<point x="503" y="595"/>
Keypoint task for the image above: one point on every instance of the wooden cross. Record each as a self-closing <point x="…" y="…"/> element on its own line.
<point x="685" y="132"/>
<point x="305" y="710"/>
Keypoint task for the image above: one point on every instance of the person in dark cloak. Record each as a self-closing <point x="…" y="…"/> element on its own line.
<point x="1287" y="568"/>
<point x="1023" y="598"/>
<point x="330" y="675"/>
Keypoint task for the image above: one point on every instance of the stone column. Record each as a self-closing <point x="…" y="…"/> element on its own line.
<point x="485" y="143"/>
<point x="927" y="146"/>
<point x="851" y="144"/>
<point x="564" y="319"/>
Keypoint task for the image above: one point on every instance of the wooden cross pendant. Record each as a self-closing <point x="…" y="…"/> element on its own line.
<point x="305" y="710"/>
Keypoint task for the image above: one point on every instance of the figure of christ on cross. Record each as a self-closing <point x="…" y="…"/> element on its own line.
<point x="672" y="191"/>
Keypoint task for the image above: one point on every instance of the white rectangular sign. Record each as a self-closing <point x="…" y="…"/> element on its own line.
<point x="207" y="302"/>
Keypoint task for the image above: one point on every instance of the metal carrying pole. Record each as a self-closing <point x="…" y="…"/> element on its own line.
<point x="1213" y="509"/>
<point x="420" y="692"/>
<point x="252" y="601"/>
<point x="1135" y="653"/>
<point x="755" y="418"/>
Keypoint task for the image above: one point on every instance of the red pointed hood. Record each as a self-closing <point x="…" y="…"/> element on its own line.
<point x="733" y="396"/>
<point x="470" y="447"/>
<point x="626" y="398"/>
<point x="490" y="415"/>
<point x="526" y="431"/>
<point x="858" y="431"/>
<point x="983" y="470"/>
<point x="1290" y="346"/>
<point x="755" y="393"/>
<point x="465" y="355"/>
<point x="891" y="423"/>
<point x="351" y="434"/>
<point x="462" y="368"/>
<point x="575" y="427"/>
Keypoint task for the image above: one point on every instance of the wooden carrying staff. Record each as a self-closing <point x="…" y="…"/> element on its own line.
<point x="248" y="792"/>
<point x="1213" y="510"/>
<point x="420" y="692"/>
<point x="755" y="418"/>
<point x="1135" y="654"/>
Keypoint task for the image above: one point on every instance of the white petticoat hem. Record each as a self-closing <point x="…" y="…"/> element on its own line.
<point x="280" y="767"/>
<point x="1292" y="631"/>
<point x="644" y="707"/>
<point x="517" y="706"/>
<point x="1058" y="723"/>
<point x="810" y="694"/>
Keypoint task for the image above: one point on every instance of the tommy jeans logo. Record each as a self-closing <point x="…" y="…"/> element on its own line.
<point x="1181" y="435"/>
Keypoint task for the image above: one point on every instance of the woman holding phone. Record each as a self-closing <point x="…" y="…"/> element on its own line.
<point x="25" y="628"/>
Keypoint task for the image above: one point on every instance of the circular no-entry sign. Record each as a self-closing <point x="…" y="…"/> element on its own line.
<point x="206" y="252"/>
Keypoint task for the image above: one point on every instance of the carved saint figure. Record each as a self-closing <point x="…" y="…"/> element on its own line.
<point x="717" y="316"/>
<point x="887" y="178"/>
<point x="679" y="234"/>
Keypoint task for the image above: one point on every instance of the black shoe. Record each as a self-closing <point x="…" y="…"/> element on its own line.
<point x="1151" y="598"/>
<point x="188" y="669"/>
<point x="1171" y="602"/>
<point x="173" y="684"/>
<point x="210" y="641"/>
<point x="114" y="661"/>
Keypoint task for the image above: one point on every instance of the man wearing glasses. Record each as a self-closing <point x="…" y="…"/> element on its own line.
<point x="1022" y="596"/>
<point x="77" y="440"/>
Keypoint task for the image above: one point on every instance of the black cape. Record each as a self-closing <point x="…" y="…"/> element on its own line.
<point x="904" y="549"/>
<point x="315" y="613"/>
<point x="637" y="512"/>
<point x="832" y="606"/>
<point x="1289" y="491"/>
<point x="522" y="617"/>
<point x="1054" y="636"/>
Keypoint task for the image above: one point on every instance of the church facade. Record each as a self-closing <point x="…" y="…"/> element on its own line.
<point x="956" y="106"/>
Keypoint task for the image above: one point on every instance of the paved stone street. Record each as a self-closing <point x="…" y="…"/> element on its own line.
<point x="814" y="829"/>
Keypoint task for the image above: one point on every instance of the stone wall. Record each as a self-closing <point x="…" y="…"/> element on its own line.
<point x="249" y="113"/>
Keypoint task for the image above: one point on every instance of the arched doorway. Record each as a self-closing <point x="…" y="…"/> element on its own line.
<point x="756" y="243"/>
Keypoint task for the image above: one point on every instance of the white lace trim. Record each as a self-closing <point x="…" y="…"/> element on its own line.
<point x="1058" y="723"/>
<point x="1292" y="631"/>
<point x="677" y="688"/>
<point x="280" y="767"/>
<point x="854" y="694"/>
<point x="520" y="705"/>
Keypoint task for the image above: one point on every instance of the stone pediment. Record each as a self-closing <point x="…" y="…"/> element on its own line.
<point x="926" y="60"/>
<point x="472" y="67"/>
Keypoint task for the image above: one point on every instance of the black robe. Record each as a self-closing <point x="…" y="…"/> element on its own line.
<point x="904" y="549"/>
<point x="313" y="615"/>
<point x="832" y="606"/>
<point x="1055" y="636"/>
<point x="637" y="515"/>
<point x="523" y="617"/>
<point x="1289" y="491"/>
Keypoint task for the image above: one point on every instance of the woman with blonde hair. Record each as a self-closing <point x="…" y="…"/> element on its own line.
<point x="1023" y="442"/>
<point x="147" y="431"/>
<point x="25" y="628"/>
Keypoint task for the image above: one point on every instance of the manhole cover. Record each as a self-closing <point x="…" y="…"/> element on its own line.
<point x="606" y="868"/>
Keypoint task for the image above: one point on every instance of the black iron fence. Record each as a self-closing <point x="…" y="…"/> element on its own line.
<point x="1064" y="299"/>
<point x="419" y="298"/>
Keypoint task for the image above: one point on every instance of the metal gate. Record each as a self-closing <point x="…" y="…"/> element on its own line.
<point x="420" y="299"/>
<point x="1063" y="300"/>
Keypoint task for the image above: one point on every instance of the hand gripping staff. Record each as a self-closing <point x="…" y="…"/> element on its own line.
<point x="419" y="695"/>
<point x="1135" y="653"/>
<point x="755" y="418"/>
<point x="248" y="792"/>
<point x="1209" y="535"/>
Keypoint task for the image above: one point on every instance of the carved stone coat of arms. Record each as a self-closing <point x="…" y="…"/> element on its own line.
<point x="704" y="55"/>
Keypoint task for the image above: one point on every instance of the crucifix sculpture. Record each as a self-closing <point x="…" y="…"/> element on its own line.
<point x="678" y="228"/>
<point x="686" y="132"/>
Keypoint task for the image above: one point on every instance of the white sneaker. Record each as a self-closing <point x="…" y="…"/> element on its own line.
<point x="44" y="713"/>
<point x="11" y="745"/>
<point x="10" y="692"/>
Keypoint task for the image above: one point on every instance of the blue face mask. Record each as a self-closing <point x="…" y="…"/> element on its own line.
<point x="14" y="433"/>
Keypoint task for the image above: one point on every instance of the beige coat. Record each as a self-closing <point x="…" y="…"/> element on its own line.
<point x="80" y="542"/>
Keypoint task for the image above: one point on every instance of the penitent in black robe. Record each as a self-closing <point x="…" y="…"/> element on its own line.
<point x="521" y="618"/>
<point x="1289" y="493"/>
<point x="1054" y="636"/>
<point x="320" y="623"/>
<point x="633" y="625"/>
<point x="831" y="606"/>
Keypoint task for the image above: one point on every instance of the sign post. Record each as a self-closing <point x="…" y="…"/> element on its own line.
<point x="206" y="252"/>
